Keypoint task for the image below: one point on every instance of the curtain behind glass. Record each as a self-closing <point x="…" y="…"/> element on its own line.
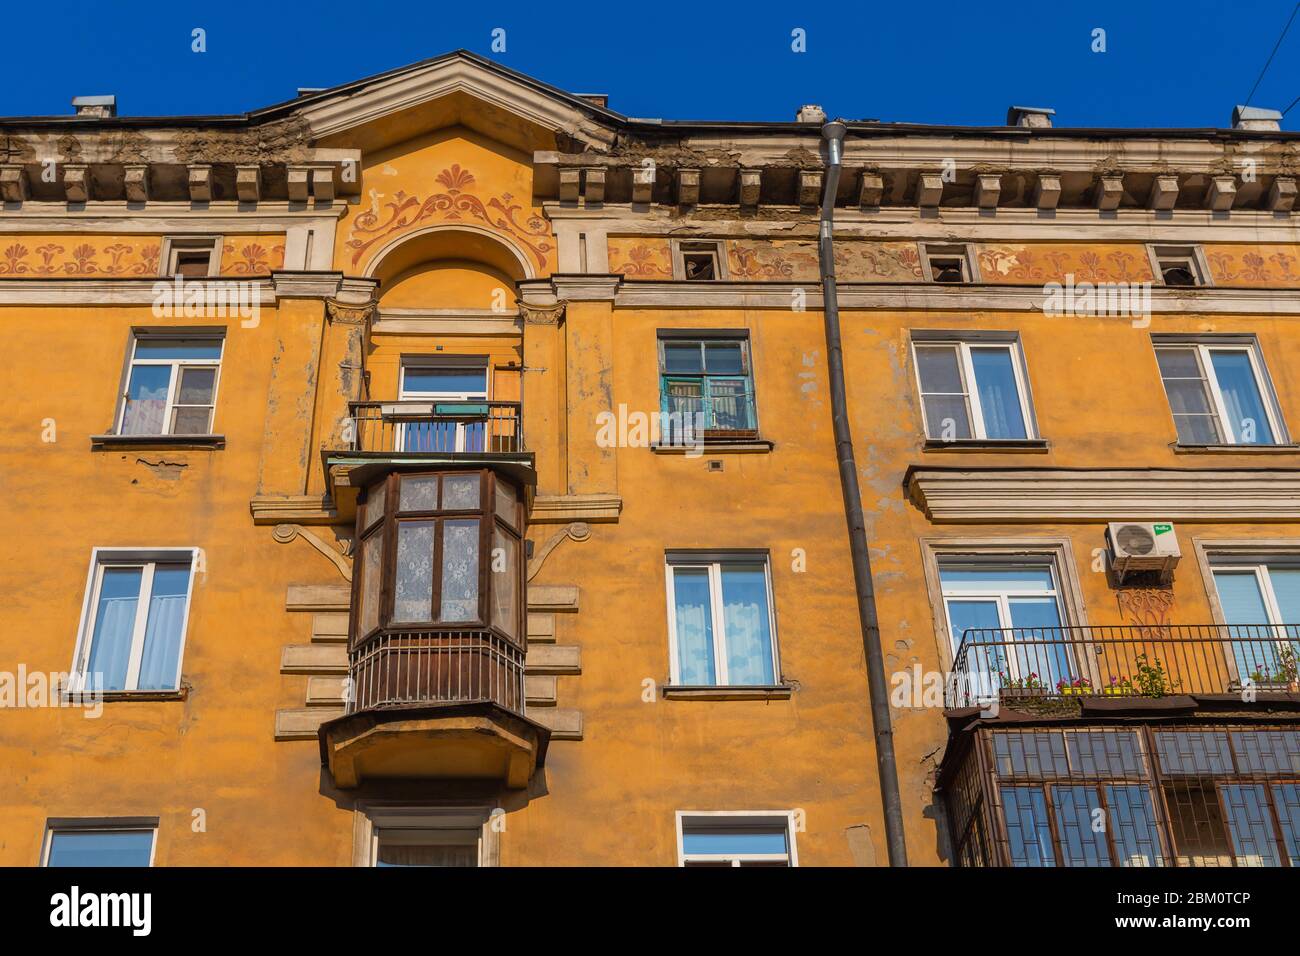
<point x="162" y="636"/>
<point x="146" y="400"/>
<point x="995" y="379"/>
<point x="110" y="647"/>
<point x="748" y="630"/>
<point x="694" y="624"/>
<point x="1241" y="398"/>
<point x="1247" y="617"/>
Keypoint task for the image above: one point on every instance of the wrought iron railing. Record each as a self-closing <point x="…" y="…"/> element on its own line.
<point x="436" y="427"/>
<point x="404" y="669"/>
<point x="1123" y="661"/>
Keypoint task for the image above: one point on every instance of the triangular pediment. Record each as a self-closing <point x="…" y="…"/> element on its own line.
<point x="456" y="89"/>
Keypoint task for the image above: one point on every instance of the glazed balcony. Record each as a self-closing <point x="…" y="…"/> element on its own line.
<point x="437" y="428"/>
<point x="1113" y="662"/>
<point x="436" y="639"/>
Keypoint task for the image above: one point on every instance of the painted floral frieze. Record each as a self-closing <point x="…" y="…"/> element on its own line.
<point x="640" y="258"/>
<point x="1241" y="264"/>
<point x="1052" y="262"/>
<point x="457" y="201"/>
<point x="87" y="256"/>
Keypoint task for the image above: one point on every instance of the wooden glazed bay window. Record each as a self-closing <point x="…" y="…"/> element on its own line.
<point x="438" y="610"/>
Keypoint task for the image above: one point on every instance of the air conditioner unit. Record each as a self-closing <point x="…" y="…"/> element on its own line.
<point x="1142" y="546"/>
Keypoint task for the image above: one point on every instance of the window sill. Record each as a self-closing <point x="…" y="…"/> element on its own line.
<point x="111" y="696"/>
<point x="156" y="441"/>
<point x="1221" y="449"/>
<point x="706" y="692"/>
<point x="718" y="446"/>
<point x="987" y="444"/>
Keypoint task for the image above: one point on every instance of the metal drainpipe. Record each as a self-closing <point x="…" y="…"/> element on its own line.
<point x="876" y="684"/>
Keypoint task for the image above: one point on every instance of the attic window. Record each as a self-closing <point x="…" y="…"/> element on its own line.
<point x="700" y="261"/>
<point x="191" y="256"/>
<point x="947" y="263"/>
<point x="1179" y="266"/>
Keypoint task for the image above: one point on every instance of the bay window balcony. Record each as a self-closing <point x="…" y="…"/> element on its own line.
<point x="436" y="427"/>
<point x="436" y="641"/>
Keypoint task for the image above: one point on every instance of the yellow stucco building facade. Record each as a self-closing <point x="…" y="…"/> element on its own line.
<point x="441" y="469"/>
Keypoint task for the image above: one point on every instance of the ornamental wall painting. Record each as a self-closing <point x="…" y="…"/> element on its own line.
<point x="1242" y="264"/>
<point x="65" y="256"/>
<point x="1053" y="261"/>
<point x="457" y="198"/>
<point x="640" y="257"/>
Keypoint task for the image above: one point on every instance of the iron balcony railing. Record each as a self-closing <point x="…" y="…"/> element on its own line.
<point x="1066" y="663"/>
<point x="406" y="669"/>
<point x="436" y="427"/>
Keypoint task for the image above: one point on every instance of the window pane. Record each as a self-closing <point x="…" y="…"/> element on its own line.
<point x="157" y="349"/>
<point x="507" y="503"/>
<point x="748" y="629"/>
<point x="1250" y="825"/>
<point x="1133" y="826"/>
<point x="1040" y="649"/>
<point x="1012" y="579"/>
<point x="946" y="417"/>
<point x="1247" y="419"/>
<point x="683" y="357"/>
<point x="110" y="649"/>
<point x="413" y="574"/>
<point x="724" y="358"/>
<point x="1178" y="362"/>
<point x="146" y="400"/>
<point x="694" y="623"/>
<point x="1193" y="752"/>
<point x="1197" y="429"/>
<point x="505" y="582"/>
<point x="734" y="841"/>
<point x="196" y="386"/>
<point x="459" y="570"/>
<point x="372" y="550"/>
<point x="471" y="382"/>
<point x="1253" y="649"/>
<point x="162" y="637"/>
<point x="1078" y="816"/>
<point x="427" y="848"/>
<point x="1105" y="753"/>
<point x="732" y="404"/>
<point x="685" y="398"/>
<point x="939" y="369"/>
<point x="1267" y="752"/>
<point x="460" y="492"/>
<point x="374" y="506"/>
<point x="995" y="379"/>
<point x="191" y="421"/>
<point x="418" y="494"/>
<point x="1286" y="796"/>
<point x="1029" y="838"/>
<point x="100" y="848"/>
<point x="1030" y="754"/>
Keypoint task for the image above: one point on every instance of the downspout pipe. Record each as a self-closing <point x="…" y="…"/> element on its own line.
<point x="881" y="724"/>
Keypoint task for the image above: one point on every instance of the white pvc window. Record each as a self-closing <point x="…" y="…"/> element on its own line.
<point x="134" y="620"/>
<point x="720" y="622"/>
<point x="973" y="390"/>
<point x="433" y="384"/>
<point x="171" y="386"/>
<point x="1219" y="394"/>
<point x="104" y="843"/>
<point x="744" y="838"/>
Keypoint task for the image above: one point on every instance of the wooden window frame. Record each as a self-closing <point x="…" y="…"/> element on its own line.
<point x="703" y="338"/>
<point x="148" y="559"/>
<point x="717" y="249"/>
<point x="386" y="529"/>
<point x="1189" y="253"/>
<point x="948" y="250"/>
<point x="171" y="245"/>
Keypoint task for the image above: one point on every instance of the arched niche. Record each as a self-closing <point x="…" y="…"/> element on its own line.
<point x="449" y="267"/>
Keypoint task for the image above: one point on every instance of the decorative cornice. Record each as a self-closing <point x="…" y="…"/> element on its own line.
<point x="284" y="533"/>
<point x="1064" y="494"/>
<point x="349" y="291"/>
<point x="577" y="531"/>
<point x="19" y="291"/>
<point x="300" y="509"/>
<point x="552" y="509"/>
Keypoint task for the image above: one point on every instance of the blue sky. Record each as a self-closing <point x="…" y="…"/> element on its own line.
<point x="1165" y="64"/>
